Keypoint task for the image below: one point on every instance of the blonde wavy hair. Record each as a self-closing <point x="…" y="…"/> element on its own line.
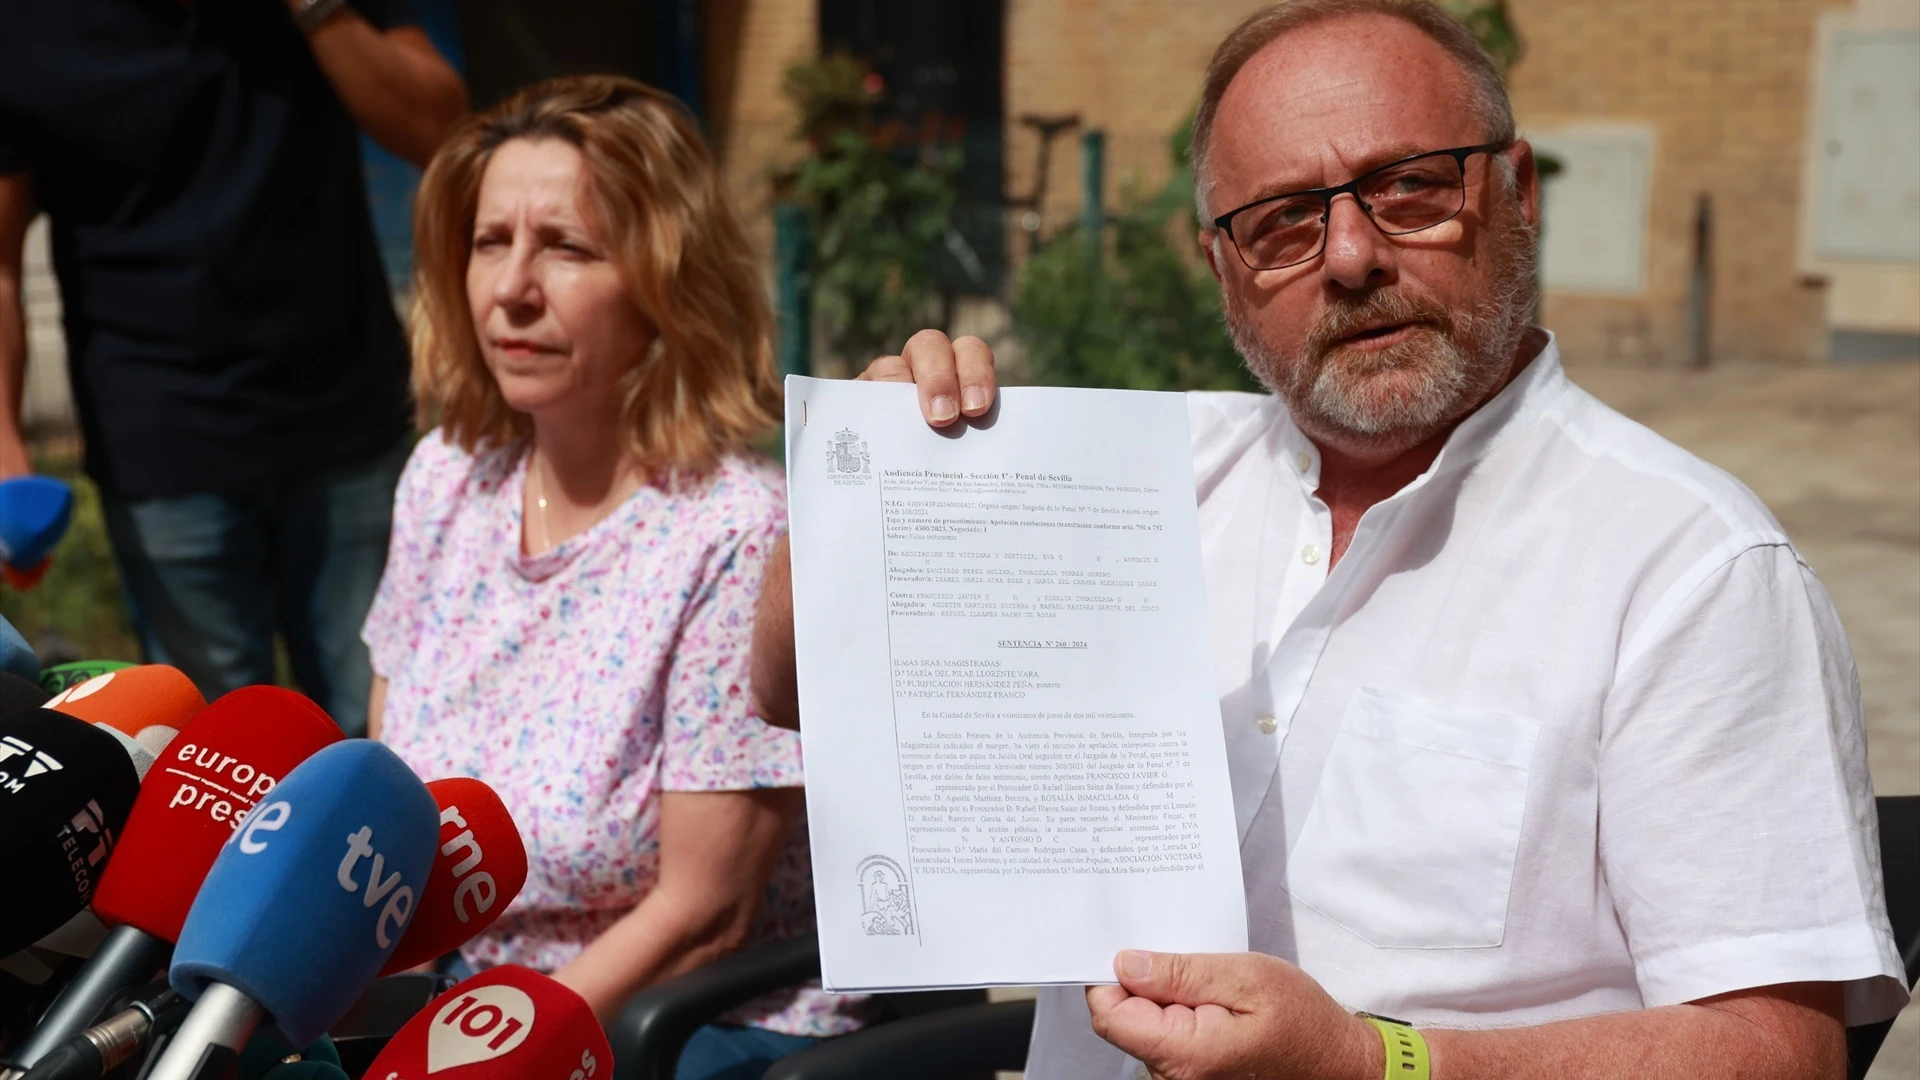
<point x="706" y="386"/>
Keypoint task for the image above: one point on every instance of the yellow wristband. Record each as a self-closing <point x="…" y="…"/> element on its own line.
<point x="1406" y="1050"/>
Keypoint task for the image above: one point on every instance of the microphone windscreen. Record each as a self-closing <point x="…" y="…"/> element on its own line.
<point x="60" y="676"/>
<point x="221" y="763"/>
<point x="308" y="899"/>
<point x="141" y="757"/>
<point x="16" y="656"/>
<point x="150" y="702"/>
<point x="66" y="788"/>
<point x="477" y="871"/>
<point x="17" y="693"/>
<point x="508" y="1023"/>
<point x="34" y="512"/>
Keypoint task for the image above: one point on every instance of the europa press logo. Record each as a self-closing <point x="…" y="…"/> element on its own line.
<point x="847" y="459"/>
<point x="20" y="762"/>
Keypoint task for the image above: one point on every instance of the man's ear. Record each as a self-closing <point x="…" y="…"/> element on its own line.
<point x="1210" y="247"/>
<point x="1526" y="180"/>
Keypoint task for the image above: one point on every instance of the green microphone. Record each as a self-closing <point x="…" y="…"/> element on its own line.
<point x="61" y="676"/>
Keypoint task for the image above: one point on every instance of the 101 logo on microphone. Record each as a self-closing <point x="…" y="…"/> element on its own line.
<point x="482" y="1023"/>
<point x="506" y="1022"/>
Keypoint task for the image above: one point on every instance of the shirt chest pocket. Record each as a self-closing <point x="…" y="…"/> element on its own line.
<point x="1412" y="835"/>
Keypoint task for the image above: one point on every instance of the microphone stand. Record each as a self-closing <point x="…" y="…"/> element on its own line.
<point x="208" y="1044"/>
<point x="126" y="957"/>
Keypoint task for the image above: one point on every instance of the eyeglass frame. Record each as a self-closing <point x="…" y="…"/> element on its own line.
<point x="1459" y="154"/>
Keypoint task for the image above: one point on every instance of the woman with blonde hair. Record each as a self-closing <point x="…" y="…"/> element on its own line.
<point x="578" y="545"/>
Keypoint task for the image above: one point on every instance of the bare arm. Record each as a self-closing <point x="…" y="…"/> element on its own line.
<point x="776" y="688"/>
<point x="1789" y="1032"/>
<point x="16" y="210"/>
<point x="376" y="704"/>
<point x="397" y="86"/>
<point x="1246" y="1014"/>
<point x="717" y="850"/>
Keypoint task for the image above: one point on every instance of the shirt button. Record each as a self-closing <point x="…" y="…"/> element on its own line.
<point x="1268" y="725"/>
<point x="1310" y="554"/>
<point x="1304" y="460"/>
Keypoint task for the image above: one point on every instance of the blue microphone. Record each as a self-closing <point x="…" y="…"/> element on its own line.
<point x="302" y="906"/>
<point x="16" y="656"/>
<point x="34" y="513"/>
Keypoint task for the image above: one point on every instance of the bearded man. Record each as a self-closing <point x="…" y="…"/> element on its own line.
<point x="1550" y="745"/>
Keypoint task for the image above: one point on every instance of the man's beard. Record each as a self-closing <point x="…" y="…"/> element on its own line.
<point x="1402" y="394"/>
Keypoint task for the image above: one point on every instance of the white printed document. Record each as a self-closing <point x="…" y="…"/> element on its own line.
<point x="1014" y="760"/>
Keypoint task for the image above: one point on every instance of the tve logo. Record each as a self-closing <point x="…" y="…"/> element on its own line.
<point x="15" y="774"/>
<point x="484" y="1023"/>
<point x="399" y="905"/>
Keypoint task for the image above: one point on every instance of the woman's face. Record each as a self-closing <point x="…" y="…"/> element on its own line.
<point x="556" y="323"/>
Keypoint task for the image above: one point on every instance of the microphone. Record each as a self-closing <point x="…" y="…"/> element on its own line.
<point x="34" y="512"/>
<point x="66" y="789"/>
<point x="477" y="871"/>
<point x="506" y="1023"/>
<point x="60" y="676"/>
<point x="302" y="907"/>
<point x="103" y="1047"/>
<point x="16" y="656"/>
<point x="148" y="702"/>
<point x="17" y="693"/>
<point x="224" y="760"/>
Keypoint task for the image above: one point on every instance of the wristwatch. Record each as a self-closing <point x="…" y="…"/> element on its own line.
<point x="309" y="14"/>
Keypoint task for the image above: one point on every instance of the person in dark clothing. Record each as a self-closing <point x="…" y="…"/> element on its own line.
<point x="236" y="362"/>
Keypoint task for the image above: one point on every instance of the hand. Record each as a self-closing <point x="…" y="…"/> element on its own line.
<point x="1218" y="1015"/>
<point x="955" y="377"/>
<point x="14" y="460"/>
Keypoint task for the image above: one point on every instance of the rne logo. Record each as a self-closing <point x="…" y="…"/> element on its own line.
<point x="474" y="895"/>
<point x="38" y="763"/>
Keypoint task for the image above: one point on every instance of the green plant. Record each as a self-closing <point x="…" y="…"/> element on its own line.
<point x="880" y="202"/>
<point x="1133" y="310"/>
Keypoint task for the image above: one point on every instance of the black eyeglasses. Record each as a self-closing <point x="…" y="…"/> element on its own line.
<point x="1405" y="197"/>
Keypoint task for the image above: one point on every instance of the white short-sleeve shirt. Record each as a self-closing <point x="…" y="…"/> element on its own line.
<point x="1571" y="729"/>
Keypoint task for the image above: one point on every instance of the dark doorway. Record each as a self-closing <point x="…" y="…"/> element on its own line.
<point x="511" y="43"/>
<point x="942" y="59"/>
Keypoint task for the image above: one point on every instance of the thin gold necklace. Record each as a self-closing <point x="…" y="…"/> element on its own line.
<point x="540" y="499"/>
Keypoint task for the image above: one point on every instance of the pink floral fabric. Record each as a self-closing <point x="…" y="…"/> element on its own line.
<point x="582" y="682"/>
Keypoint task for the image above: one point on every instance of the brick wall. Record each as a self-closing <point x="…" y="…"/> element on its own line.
<point x="1723" y="85"/>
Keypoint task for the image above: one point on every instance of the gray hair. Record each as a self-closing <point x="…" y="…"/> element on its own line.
<point x="1490" y="104"/>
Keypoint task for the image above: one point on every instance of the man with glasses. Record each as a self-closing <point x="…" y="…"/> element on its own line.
<point x="1542" y="738"/>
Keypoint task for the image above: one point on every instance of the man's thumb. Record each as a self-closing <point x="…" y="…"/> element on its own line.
<point x="1155" y="976"/>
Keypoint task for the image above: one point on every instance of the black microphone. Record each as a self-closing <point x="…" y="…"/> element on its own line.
<point x="103" y="1047"/>
<point x="17" y="693"/>
<point x="66" y="788"/>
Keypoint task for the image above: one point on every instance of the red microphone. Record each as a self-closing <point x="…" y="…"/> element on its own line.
<point x="478" y="870"/>
<point x="509" y="1023"/>
<point x="213" y="772"/>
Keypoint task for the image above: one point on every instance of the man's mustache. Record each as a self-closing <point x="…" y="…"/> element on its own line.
<point x="1349" y="317"/>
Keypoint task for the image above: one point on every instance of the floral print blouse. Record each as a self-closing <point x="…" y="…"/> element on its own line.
<point x="582" y="682"/>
